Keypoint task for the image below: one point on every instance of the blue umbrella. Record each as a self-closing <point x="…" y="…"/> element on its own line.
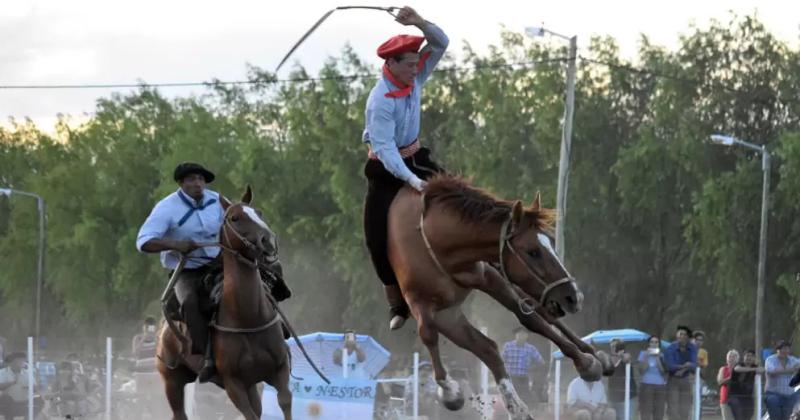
<point x="605" y="336"/>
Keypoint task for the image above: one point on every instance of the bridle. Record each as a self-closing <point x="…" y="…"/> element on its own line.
<point x="526" y="304"/>
<point x="229" y="230"/>
<point x="506" y="235"/>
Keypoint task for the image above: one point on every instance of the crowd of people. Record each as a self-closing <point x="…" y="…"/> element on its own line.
<point x="72" y="391"/>
<point x="663" y="378"/>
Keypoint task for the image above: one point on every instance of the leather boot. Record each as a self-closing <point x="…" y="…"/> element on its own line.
<point x="398" y="308"/>
<point x="209" y="369"/>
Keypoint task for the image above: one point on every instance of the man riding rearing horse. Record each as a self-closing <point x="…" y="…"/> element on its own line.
<point x="182" y="223"/>
<point x="392" y="129"/>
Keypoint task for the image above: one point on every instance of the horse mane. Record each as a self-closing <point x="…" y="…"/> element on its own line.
<point x="478" y="206"/>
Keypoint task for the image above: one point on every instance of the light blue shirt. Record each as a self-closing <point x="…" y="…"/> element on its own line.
<point x="779" y="382"/>
<point x="393" y="123"/>
<point x="174" y="218"/>
<point x="653" y="375"/>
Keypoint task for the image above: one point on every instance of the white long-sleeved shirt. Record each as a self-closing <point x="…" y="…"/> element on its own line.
<point x="179" y="217"/>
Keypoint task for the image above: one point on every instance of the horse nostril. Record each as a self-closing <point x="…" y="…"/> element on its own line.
<point x="265" y="242"/>
<point x="572" y="300"/>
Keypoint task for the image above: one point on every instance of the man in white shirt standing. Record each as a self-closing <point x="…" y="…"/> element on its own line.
<point x="14" y="388"/>
<point x="587" y="401"/>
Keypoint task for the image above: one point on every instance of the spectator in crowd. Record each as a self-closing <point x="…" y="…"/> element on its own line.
<point x="616" y="382"/>
<point x="779" y="396"/>
<point x="144" y="343"/>
<point x="724" y="380"/>
<point x="681" y="359"/>
<point x="653" y="378"/>
<point x="144" y="346"/>
<point x="351" y="355"/>
<point x="740" y="393"/>
<point x="587" y="401"/>
<point x="519" y="357"/>
<point x="14" y="388"/>
<point x="698" y="339"/>
<point x="76" y="363"/>
<point x="67" y="392"/>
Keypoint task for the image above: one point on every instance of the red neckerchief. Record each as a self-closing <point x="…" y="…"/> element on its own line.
<point x="404" y="90"/>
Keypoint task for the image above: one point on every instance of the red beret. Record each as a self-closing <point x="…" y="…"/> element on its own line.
<point x="400" y="44"/>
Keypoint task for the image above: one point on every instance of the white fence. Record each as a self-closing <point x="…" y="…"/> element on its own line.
<point x="32" y="376"/>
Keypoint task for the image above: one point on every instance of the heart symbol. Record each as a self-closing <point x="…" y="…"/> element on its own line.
<point x="307" y="388"/>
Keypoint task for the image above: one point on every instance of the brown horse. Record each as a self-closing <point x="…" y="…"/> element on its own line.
<point x="442" y="245"/>
<point x="248" y="339"/>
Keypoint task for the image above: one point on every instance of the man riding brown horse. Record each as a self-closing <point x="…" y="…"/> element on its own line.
<point x="392" y="129"/>
<point x="179" y="224"/>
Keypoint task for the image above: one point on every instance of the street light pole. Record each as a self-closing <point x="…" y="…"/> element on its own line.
<point x="766" y="159"/>
<point x="762" y="251"/>
<point x="40" y="260"/>
<point x="566" y="149"/>
<point x="566" y="135"/>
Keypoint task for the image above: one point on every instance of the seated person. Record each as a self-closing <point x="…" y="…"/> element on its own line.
<point x="67" y="394"/>
<point x="587" y="401"/>
<point x="14" y="388"/>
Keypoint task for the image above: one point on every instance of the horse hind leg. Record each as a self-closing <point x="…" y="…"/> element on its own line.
<point x="452" y="397"/>
<point x="455" y="326"/>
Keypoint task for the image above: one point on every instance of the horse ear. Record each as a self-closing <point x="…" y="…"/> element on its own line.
<point x="516" y="214"/>
<point x="247" y="198"/>
<point x="224" y="202"/>
<point x="537" y="202"/>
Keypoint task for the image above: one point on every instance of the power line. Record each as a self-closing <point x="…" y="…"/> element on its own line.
<point x="353" y="77"/>
<point x="276" y="81"/>
<point x="659" y="75"/>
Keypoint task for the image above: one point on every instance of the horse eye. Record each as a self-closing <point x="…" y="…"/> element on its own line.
<point x="535" y="253"/>
<point x="235" y="218"/>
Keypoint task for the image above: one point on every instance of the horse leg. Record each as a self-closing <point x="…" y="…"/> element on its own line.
<point x="455" y="326"/>
<point x="452" y="397"/>
<point x="254" y="396"/>
<point x="605" y="359"/>
<point x="239" y="394"/>
<point x="589" y="367"/>
<point x="174" y="383"/>
<point x="284" y="394"/>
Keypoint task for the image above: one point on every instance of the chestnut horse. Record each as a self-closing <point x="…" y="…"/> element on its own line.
<point x="248" y="340"/>
<point x="443" y="244"/>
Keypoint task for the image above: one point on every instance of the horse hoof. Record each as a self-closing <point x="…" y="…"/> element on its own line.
<point x="450" y="394"/>
<point x="605" y="360"/>
<point x="454" y="405"/>
<point x="594" y="372"/>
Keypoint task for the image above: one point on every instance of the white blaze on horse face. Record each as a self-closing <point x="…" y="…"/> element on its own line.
<point x="544" y="240"/>
<point x="251" y="213"/>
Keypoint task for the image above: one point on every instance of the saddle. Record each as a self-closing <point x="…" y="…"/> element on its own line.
<point x="271" y="276"/>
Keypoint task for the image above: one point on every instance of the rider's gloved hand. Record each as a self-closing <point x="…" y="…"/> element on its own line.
<point x="417" y="184"/>
<point x="185" y="247"/>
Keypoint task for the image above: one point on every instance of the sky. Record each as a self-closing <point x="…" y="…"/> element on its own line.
<point x="113" y="41"/>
